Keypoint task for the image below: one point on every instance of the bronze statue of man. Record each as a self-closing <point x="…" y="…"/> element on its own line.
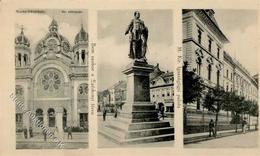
<point x="138" y="38"/>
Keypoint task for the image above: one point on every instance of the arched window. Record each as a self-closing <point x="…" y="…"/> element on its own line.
<point x="25" y="59"/>
<point x="77" y="54"/>
<point x="83" y="56"/>
<point x="209" y="71"/>
<point x="218" y="76"/>
<point x="199" y="62"/>
<point x="19" y="59"/>
<point x="51" y="117"/>
<point x="39" y="114"/>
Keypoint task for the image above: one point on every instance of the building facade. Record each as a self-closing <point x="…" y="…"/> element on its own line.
<point x="203" y="49"/>
<point x="52" y="79"/>
<point x="162" y="91"/>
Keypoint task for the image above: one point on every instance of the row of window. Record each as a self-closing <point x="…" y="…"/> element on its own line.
<point x="80" y="57"/>
<point x="22" y="60"/>
<point x="199" y="64"/>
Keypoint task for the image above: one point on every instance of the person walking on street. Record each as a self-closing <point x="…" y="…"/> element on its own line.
<point x="211" y="128"/>
<point x="69" y="132"/>
<point x="31" y="132"/>
<point x="244" y="125"/>
<point x="25" y="132"/>
<point x="115" y="112"/>
<point x="56" y="132"/>
<point x="162" y="112"/>
<point x="104" y="114"/>
<point x="44" y="135"/>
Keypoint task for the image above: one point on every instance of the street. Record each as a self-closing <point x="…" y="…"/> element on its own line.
<point x="248" y="140"/>
<point x="79" y="141"/>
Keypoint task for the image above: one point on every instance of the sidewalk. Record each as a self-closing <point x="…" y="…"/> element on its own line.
<point x="197" y="137"/>
<point x="79" y="141"/>
<point x="77" y="137"/>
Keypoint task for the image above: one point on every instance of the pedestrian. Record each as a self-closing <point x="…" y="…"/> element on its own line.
<point x="115" y="112"/>
<point x="31" y="132"/>
<point x="25" y="132"/>
<point x="211" y="128"/>
<point x="162" y="112"/>
<point x="44" y="135"/>
<point x="104" y="114"/>
<point x="244" y="124"/>
<point x="56" y="132"/>
<point x="70" y="132"/>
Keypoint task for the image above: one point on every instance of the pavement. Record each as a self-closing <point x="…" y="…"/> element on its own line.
<point x="80" y="140"/>
<point x="247" y="140"/>
<point x="104" y="142"/>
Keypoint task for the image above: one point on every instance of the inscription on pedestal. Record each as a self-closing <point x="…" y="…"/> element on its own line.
<point x="142" y="91"/>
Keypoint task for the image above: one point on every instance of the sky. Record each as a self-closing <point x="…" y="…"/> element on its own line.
<point x="240" y="27"/>
<point x="113" y="45"/>
<point x="36" y="25"/>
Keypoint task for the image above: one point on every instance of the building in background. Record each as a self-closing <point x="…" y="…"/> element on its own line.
<point x="161" y="93"/>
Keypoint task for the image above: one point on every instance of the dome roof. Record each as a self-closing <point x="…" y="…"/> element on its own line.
<point x="21" y="39"/>
<point x="81" y="36"/>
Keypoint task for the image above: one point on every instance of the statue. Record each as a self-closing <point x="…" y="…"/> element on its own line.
<point x="138" y="35"/>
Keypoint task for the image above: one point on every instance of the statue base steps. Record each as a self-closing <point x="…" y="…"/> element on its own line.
<point x="138" y="125"/>
<point x="142" y="132"/>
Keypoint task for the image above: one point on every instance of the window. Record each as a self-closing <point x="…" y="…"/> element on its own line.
<point x="218" y="51"/>
<point x="210" y="44"/>
<point x="168" y="94"/>
<point x="227" y="88"/>
<point x="209" y="72"/>
<point x="218" y="75"/>
<point x="25" y="59"/>
<point x="231" y="75"/>
<point x="199" y="35"/>
<point x="83" y="118"/>
<point x="77" y="54"/>
<point x="199" y="66"/>
<point x="19" y="60"/>
<point x="39" y="115"/>
<point x="83" y="56"/>
<point x="19" y="118"/>
<point x="51" y="116"/>
<point x="227" y="73"/>
<point x="162" y="95"/>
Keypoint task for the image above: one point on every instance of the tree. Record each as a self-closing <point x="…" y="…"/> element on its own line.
<point x="192" y="85"/>
<point x="214" y="101"/>
<point x="235" y="104"/>
<point x="192" y="88"/>
<point x="254" y="111"/>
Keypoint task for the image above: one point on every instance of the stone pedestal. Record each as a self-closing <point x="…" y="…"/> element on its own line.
<point x="138" y="121"/>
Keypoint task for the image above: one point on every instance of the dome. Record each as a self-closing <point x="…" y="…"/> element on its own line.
<point x="53" y="26"/>
<point x="81" y="36"/>
<point x="21" y="39"/>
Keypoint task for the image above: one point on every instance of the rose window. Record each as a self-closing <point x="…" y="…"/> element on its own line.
<point x="51" y="81"/>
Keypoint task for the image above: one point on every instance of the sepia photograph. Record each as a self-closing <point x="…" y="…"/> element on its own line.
<point x="51" y="79"/>
<point x="135" y="78"/>
<point x="220" y="78"/>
